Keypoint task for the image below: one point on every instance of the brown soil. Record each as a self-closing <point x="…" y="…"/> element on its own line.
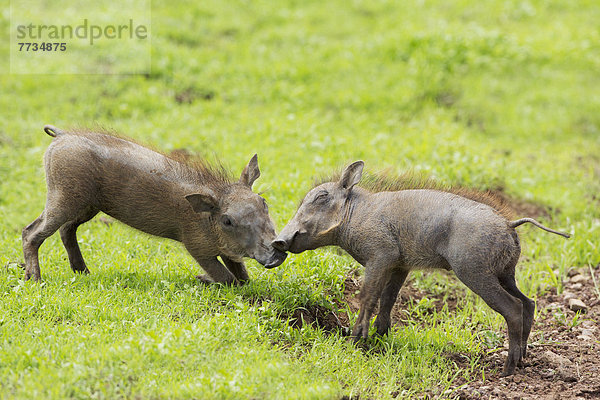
<point x="523" y="208"/>
<point x="338" y="321"/>
<point x="191" y="94"/>
<point x="563" y="359"/>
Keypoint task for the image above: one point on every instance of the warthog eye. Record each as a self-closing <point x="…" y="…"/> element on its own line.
<point x="321" y="197"/>
<point x="225" y="220"/>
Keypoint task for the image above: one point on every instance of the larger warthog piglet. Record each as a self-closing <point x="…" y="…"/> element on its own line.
<point x="392" y="232"/>
<point x="190" y="201"/>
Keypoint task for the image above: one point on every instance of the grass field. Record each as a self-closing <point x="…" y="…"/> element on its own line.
<point x="495" y="94"/>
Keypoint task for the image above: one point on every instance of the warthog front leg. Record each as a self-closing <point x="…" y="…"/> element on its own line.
<point x="238" y="269"/>
<point x="217" y="273"/>
<point x="376" y="277"/>
<point x="388" y="299"/>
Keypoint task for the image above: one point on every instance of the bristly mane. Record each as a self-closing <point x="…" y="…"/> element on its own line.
<point x="187" y="164"/>
<point x="204" y="171"/>
<point x="387" y="182"/>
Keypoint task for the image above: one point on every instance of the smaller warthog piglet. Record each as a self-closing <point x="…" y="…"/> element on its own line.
<point x="188" y="201"/>
<point x="392" y="232"/>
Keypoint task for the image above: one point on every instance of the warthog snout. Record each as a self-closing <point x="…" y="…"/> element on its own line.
<point x="276" y="259"/>
<point x="289" y="240"/>
<point x="280" y="244"/>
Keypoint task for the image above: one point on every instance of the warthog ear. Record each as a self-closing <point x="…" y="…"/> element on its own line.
<point x="351" y="175"/>
<point x="203" y="202"/>
<point x="251" y="172"/>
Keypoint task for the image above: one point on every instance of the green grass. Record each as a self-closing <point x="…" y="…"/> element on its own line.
<point x="487" y="95"/>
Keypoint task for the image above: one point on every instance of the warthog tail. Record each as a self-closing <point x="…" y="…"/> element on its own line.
<point x="514" y="224"/>
<point x="52" y="130"/>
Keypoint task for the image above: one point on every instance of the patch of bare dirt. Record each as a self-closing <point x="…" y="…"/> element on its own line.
<point x="338" y="322"/>
<point x="523" y="208"/>
<point x="408" y="293"/>
<point x="563" y="359"/>
<point x="321" y="317"/>
<point x="191" y="94"/>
